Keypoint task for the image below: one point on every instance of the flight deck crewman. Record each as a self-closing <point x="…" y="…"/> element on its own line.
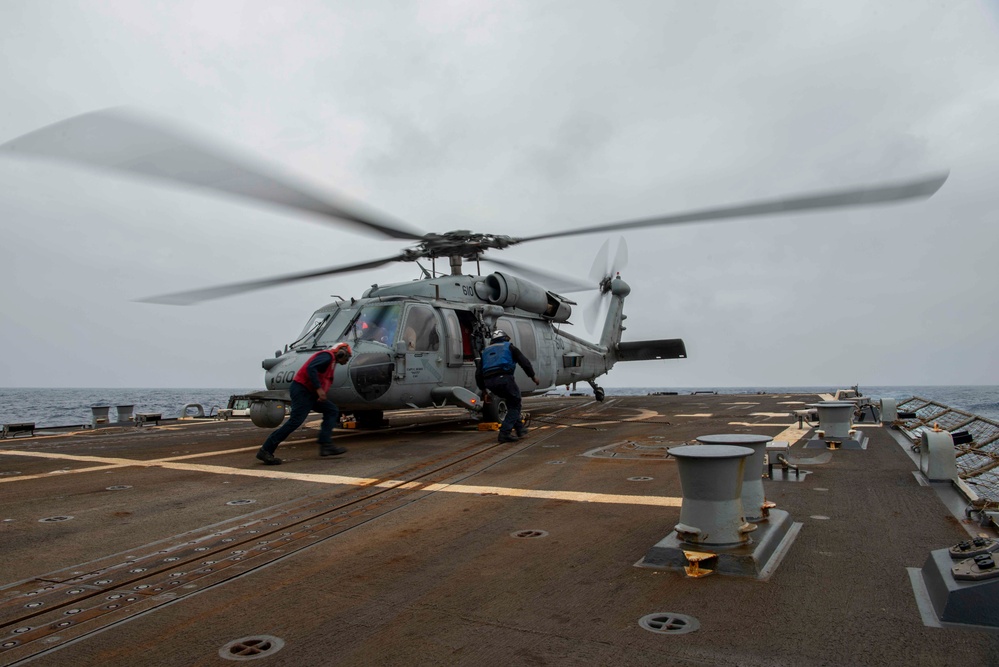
<point x="499" y="361"/>
<point x="308" y="393"/>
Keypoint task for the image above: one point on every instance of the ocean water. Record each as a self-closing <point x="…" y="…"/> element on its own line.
<point x="69" y="407"/>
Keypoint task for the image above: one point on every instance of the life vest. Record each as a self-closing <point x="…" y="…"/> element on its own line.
<point x="325" y="378"/>
<point x="497" y="358"/>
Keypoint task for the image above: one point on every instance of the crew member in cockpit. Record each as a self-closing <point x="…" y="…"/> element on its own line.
<point x="499" y="360"/>
<point x="308" y="393"/>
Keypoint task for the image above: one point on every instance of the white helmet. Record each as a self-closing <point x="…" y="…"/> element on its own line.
<point x="499" y="333"/>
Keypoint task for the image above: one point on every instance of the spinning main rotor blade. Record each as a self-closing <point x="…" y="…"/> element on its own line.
<point x="125" y="142"/>
<point x="551" y="281"/>
<point x="880" y="194"/>
<point x="205" y="294"/>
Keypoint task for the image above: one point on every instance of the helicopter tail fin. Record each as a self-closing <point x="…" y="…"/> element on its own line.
<point x="610" y="337"/>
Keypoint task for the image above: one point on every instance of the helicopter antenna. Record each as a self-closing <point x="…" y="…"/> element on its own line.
<point x="426" y="274"/>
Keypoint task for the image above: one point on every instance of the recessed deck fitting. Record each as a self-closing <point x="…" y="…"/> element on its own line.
<point x="251" y="648"/>
<point x="529" y="534"/>
<point x="667" y="623"/>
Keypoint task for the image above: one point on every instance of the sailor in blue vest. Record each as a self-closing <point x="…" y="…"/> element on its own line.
<point x="499" y="361"/>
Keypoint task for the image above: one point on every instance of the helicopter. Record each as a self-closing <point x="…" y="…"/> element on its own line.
<point x="415" y="344"/>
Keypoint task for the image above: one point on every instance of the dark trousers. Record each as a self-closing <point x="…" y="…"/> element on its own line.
<point x="304" y="401"/>
<point x="506" y="388"/>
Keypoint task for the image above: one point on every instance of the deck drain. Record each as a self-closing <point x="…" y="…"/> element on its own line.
<point x="251" y="648"/>
<point x="9" y="472"/>
<point x="528" y="534"/>
<point x="639" y="479"/>
<point x="241" y="502"/>
<point x="666" y="623"/>
<point x="820" y="517"/>
<point x="118" y="487"/>
<point x="54" y="519"/>
<point x="555" y="463"/>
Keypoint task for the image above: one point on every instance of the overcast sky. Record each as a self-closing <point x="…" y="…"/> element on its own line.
<point x="516" y="118"/>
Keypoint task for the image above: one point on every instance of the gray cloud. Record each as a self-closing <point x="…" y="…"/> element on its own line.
<point x="514" y="118"/>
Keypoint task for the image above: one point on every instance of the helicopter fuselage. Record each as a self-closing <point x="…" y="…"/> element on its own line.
<point x="416" y="344"/>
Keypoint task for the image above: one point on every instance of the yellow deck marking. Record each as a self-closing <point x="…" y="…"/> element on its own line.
<point x="642" y="414"/>
<point x="215" y="453"/>
<point x="767" y="424"/>
<point x="58" y="472"/>
<point x="270" y="473"/>
<point x="792" y="434"/>
<point x="578" y="496"/>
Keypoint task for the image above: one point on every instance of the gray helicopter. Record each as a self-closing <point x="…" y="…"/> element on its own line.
<point x="415" y="343"/>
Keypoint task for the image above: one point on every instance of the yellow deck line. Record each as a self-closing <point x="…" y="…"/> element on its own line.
<point x="270" y="473"/>
<point x="767" y="424"/>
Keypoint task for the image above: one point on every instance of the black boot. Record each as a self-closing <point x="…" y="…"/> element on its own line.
<point x="507" y="437"/>
<point x="267" y="458"/>
<point x="329" y="449"/>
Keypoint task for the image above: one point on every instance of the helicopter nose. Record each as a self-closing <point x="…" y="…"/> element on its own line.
<point x="371" y="374"/>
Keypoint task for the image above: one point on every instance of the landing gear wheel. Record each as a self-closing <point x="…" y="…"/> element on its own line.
<point x="370" y="419"/>
<point x="598" y="393"/>
<point x="494" y="410"/>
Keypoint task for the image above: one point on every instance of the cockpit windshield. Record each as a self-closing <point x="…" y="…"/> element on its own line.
<point x="377" y="322"/>
<point x="323" y="328"/>
<point x="315" y="324"/>
<point x="333" y="331"/>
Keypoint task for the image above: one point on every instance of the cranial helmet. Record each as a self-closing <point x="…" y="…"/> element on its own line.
<point x="342" y="352"/>
<point x="499" y="334"/>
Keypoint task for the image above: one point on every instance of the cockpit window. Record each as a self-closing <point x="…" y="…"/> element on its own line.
<point x="317" y="324"/>
<point x="421" y="333"/>
<point x="312" y="326"/>
<point x="377" y="323"/>
<point x="333" y="330"/>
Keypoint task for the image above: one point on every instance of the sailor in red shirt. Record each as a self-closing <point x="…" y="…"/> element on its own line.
<point x="308" y="393"/>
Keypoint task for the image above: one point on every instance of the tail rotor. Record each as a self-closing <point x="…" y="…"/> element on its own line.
<point x="602" y="272"/>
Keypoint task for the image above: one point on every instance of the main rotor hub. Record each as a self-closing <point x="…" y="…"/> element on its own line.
<point x="458" y="243"/>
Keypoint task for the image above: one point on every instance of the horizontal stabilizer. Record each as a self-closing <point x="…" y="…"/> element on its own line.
<point x="644" y="350"/>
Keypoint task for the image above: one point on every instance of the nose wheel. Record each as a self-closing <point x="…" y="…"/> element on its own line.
<point x="598" y="393"/>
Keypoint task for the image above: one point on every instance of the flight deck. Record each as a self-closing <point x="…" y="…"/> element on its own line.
<point x="428" y="543"/>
